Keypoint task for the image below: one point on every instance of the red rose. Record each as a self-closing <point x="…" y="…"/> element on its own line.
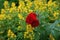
<point x="35" y="23"/>
<point x="32" y="19"/>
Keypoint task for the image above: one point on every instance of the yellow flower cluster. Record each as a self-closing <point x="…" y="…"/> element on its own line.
<point x="36" y="4"/>
<point x="11" y="34"/>
<point x="6" y="5"/>
<point x="2" y="11"/>
<point x="51" y="37"/>
<point x="19" y="28"/>
<point x="13" y="7"/>
<point x="29" y="32"/>
<point x="20" y="16"/>
<point x="2" y="16"/>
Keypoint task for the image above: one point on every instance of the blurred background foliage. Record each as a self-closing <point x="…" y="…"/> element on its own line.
<point x="16" y="1"/>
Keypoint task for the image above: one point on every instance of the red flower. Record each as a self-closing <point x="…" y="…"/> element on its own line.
<point x="35" y="23"/>
<point x="32" y="19"/>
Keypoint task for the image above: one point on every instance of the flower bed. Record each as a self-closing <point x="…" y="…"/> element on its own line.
<point x="30" y="20"/>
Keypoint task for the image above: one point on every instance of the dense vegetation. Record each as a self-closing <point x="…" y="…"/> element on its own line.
<point x="13" y="24"/>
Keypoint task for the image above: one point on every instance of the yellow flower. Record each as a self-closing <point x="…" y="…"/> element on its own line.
<point x="51" y="37"/>
<point x="29" y="32"/>
<point x="30" y="10"/>
<point x="13" y="4"/>
<point x="31" y="37"/>
<point x="19" y="9"/>
<point x="19" y="27"/>
<point x="36" y="2"/>
<point x="25" y="9"/>
<point x="50" y="9"/>
<point x="42" y="8"/>
<point x="2" y="11"/>
<point x="21" y="3"/>
<point x="55" y="5"/>
<point x="20" y="17"/>
<point x="51" y="18"/>
<point x="40" y="3"/>
<point x="49" y="3"/>
<point x="21" y="6"/>
<point x="12" y="9"/>
<point x="6" y="4"/>
<point x="26" y="34"/>
<point x="29" y="28"/>
<point x="11" y="34"/>
<point x="2" y="16"/>
<point x="44" y="1"/>
<point x="9" y="17"/>
<point x="55" y="14"/>
<point x="36" y="8"/>
<point x="29" y="4"/>
<point x="27" y="0"/>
